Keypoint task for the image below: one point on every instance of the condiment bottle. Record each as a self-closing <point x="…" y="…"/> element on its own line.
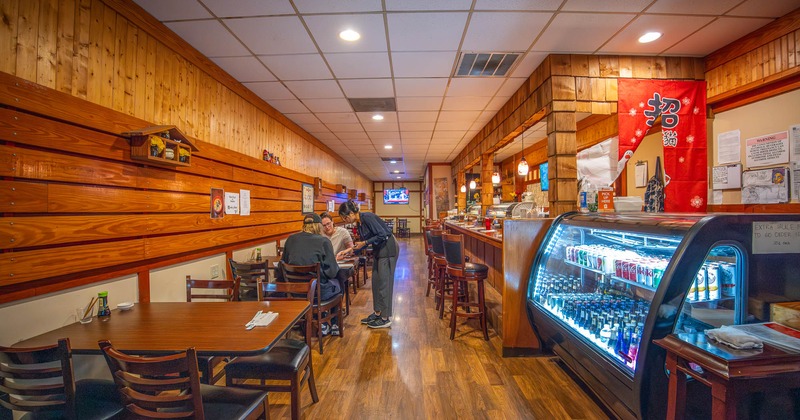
<point x="258" y="254"/>
<point x="102" y="306"/>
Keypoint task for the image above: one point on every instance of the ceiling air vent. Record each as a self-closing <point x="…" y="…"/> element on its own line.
<point x="373" y="104"/>
<point x="389" y="159"/>
<point x="485" y="64"/>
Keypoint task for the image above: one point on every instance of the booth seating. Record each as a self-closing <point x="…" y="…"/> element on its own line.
<point x="462" y="274"/>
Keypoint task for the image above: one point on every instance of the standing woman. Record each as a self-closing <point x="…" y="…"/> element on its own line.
<point x="374" y="231"/>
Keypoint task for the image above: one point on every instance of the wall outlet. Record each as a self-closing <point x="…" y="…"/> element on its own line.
<point x="215" y="271"/>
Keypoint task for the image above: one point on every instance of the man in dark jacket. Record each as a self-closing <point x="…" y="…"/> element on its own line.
<point x="308" y="247"/>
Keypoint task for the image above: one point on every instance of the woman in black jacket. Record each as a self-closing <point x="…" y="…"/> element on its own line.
<point x="374" y="231"/>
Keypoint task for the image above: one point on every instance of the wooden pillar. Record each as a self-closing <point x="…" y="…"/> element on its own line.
<point x="462" y="196"/>
<point x="562" y="150"/>
<point x="487" y="189"/>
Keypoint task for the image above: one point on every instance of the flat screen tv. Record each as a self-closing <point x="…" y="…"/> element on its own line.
<point x="543" y="177"/>
<point x="395" y="196"/>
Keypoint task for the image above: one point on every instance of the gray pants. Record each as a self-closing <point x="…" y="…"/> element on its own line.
<point x="383" y="280"/>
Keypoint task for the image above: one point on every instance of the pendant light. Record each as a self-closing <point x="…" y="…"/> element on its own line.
<point x="463" y="188"/>
<point x="522" y="168"/>
<point x="472" y="184"/>
<point x="496" y="178"/>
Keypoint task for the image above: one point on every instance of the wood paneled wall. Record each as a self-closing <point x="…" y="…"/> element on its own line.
<point x="113" y="54"/>
<point x="76" y="208"/>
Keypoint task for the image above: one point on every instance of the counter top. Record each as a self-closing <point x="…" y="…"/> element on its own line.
<point x="492" y="236"/>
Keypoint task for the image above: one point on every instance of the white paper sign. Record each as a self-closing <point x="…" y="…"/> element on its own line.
<point x="244" y="202"/>
<point x="727" y="177"/>
<point x="776" y="237"/>
<point x="795" y="178"/>
<point x="772" y="149"/>
<point x="794" y="139"/>
<point x="729" y="147"/>
<point x="231" y="203"/>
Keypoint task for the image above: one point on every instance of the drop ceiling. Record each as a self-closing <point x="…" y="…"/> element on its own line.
<point x="288" y="53"/>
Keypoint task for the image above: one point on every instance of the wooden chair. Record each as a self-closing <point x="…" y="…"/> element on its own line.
<point x="462" y="273"/>
<point x="40" y="382"/>
<point x="403" y="231"/>
<point x="230" y="292"/>
<point x="442" y="284"/>
<point x="168" y="387"/>
<point x="251" y="274"/>
<point x="289" y="360"/>
<point x="426" y="236"/>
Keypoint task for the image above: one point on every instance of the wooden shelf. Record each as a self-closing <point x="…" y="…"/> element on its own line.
<point x="146" y="145"/>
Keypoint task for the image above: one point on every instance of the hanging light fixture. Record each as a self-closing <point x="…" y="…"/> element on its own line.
<point x="496" y="178"/>
<point x="472" y="184"/>
<point x="463" y="188"/>
<point x="522" y="168"/>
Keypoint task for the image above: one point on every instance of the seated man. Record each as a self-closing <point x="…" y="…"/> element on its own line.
<point x="309" y="247"/>
<point x="340" y="237"/>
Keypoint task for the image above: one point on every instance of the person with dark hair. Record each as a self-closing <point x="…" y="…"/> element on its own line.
<point x="308" y="247"/>
<point x="374" y="231"/>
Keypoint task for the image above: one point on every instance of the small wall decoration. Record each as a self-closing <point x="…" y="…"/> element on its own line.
<point x="271" y="158"/>
<point x="308" y="198"/>
<point x="217" y="203"/>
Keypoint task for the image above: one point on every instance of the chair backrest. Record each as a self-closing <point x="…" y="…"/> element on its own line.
<point x="230" y="288"/>
<point x="454" y="250"/>
<point x="436" y="241"/>
<point x="402" y="223"/>
<point x="300" y="282"/>
<point x="250" y="273"/>
<point x="38" y="380"/>
<point x="427" y="239"/>
<point x="157" y="386"/>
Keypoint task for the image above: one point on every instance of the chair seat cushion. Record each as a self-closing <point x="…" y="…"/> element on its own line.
<point x="222" y="402"/>
<point x="286" y="357"/>
<point x="475" y="268"/>
<point x="95" y="399"/>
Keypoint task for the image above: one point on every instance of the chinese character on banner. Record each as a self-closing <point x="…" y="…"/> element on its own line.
<point x="681" y="105"/>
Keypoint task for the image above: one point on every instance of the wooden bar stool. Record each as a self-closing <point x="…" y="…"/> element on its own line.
<point x="429" y="256"/>
<point x="441" y="283"/>
<point x="462" y="274"/>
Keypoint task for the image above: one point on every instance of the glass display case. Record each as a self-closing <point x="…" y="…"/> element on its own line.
<point x="501" y="211"/>
<point x="603" y="286"/>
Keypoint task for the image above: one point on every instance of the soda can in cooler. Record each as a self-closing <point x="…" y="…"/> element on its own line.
<point x="618" y="268"/>
<point x="631" y="270"/>
<point x="640" y="269"/>
<point x="712" y="276"/>
<point x="649" y="275"/>
<point x="727" y="279"/>
<point x="702" y="284"/>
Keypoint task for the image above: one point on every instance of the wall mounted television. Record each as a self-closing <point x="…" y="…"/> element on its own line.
<point x="395" y="196"/>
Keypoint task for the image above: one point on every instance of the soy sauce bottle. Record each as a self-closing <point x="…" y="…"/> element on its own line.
<point x="103" y="313"/>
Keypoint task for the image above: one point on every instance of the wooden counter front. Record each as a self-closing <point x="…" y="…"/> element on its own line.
<point x="483" y="248"/>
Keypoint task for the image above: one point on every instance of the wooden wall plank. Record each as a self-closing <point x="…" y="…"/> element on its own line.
<point x="65" y="45"/>
<point x="9" y="10"/>
<point x="27" y="36"/>
<point x="20" y="197"/>
<point x="46" y="43"/>
<point x="80" y="67"/>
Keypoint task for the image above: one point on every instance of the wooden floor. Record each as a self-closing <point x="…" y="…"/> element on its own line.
<point x="414" y="371"/>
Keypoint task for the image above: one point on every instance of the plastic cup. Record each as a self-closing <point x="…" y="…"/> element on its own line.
<point x="79" y="316"/>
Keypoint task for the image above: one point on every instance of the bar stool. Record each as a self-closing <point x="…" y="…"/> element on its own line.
<point x="429" y="256"/>
<point x="462" y="274"/>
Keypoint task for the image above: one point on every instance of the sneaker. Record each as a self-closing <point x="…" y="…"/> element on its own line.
<point x="326" y="329"/>
<point x="370" y="318"/>
<point x="380" y="323"/>
<point x="335" y="330"/>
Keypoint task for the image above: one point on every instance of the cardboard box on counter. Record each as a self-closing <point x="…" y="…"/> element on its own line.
<point x="787" y="313"/>
<point x="759" y="305"/>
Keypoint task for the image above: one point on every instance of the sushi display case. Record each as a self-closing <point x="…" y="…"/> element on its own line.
<point x="603" y="286"/>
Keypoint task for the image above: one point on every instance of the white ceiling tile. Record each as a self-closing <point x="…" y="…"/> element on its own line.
<point x="415" y="135"/>
<point x="462" y="86"/>
<point x="772" y="8"/>
<point x="328" y="105"/>
<point x="314" y="127"/>
<point x="229" y="8"/>
<point x="368" y="88"/>
<point x="419" y="104"/>
<point x="209" y="37"/>
<point x="389" y="118"/>
<point x="380" y="126"/>
<point x="360" y="135"/>
<point x="345" y="127"/>
<point x="314" y="89"/>
<point x="269" y="90"/>
<point x="581" y="32"/>
<point x="384" y="135"/>
<point x="426" y="31"/>
<point x="503" y="31"/>
<point x="416" y="142"/>
<point x="395" y="5"/>
<point x="673" y="29"/>
<point x="327" y="136"/>
<point x="303" y="118"/>
<point x="174" y="10"/>
<point x="442" y="134"/>
<point x="497" y="103"/>
<point x="326" y="29"/>
<point x="511" y="86"/>
<point x="297" y="66"/>
<point x="421" y="87"/>
<point x="359" y="65"/>
<point x="722" y="31"/>
<point x="338" y="117"/>
<point x="458" y="116"/>
<point x="450" y="126"/>
<point x="417" y="126"/>
<point x="551" y="5"/>
<point x="634" y="6"/>
<point x="245" y="69"/>
<point x="272" y="35"/>
<point x="420" y="116"/>
<point x="465" y="103"/>
<point x="423" y="64"/>
<point x="528" y="64"/>
<point x="317" y="6"/>
<point x="693" y="7"/>
<point x="289" y="106"/>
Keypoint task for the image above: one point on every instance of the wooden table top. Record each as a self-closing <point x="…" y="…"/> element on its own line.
<point x="212" y="328"/>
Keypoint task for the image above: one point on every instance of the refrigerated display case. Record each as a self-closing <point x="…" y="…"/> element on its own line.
<point x="603" y="286"/>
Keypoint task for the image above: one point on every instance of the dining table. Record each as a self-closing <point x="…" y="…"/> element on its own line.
<point x="212" y="328"/>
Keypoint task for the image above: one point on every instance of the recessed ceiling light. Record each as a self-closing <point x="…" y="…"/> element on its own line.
<point x="398" y="177"/>
<point x="649" y="37"/>
<point x="388" y="146"/>
<point x="396" y="171"/>
<point x="349" y="35"/>
<point x="377" y="117"/>
<point x="392" y="161"/>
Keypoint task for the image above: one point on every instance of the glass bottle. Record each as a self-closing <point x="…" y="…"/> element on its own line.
<point x="102" y="306"/>
<point x="258" y="254"/>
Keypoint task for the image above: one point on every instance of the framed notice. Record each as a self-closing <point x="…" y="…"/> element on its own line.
<point x="308" y="198"/>
<point x="771" y="149"/>
<point x="727" y="177"/>
<point x="765" y="186"/>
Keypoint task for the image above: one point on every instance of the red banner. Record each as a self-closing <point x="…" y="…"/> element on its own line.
<point x="681" y="106"/>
